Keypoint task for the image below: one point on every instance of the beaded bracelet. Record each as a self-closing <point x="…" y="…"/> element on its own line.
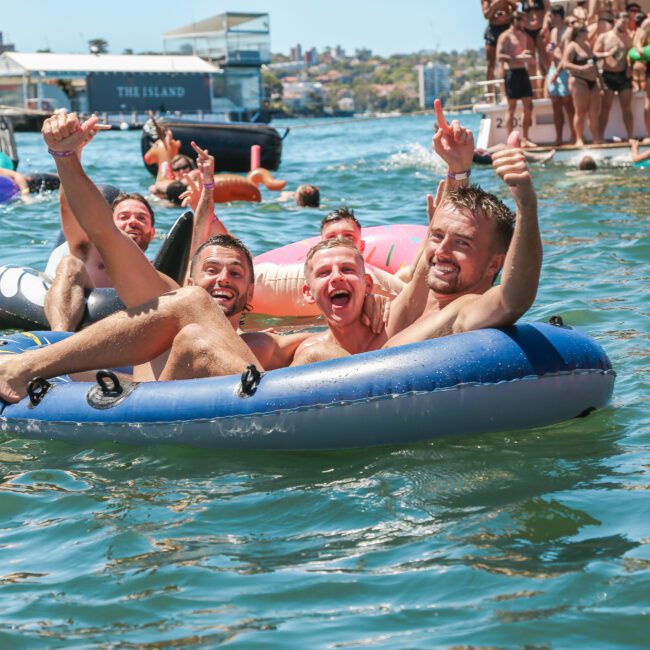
<point x="208" y="186"/>
<point x="60" y="154"/>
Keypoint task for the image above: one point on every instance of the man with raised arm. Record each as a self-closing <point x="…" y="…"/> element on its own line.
<point x="471" y="239"/>
<point x="80" y="267"/>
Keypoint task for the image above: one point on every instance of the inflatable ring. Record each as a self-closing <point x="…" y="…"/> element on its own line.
<point x="264" y="176"/>
<point x="231" y="187"/>
<point x="8" y="189"/>
<point x="635" y="56"/>
<point x="464" y="384"/>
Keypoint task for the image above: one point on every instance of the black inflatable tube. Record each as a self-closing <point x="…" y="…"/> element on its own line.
<point x="229" y="142"/>
<point x="17" y="311"/>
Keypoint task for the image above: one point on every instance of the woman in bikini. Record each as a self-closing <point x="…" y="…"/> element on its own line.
<point x="580" y="61"/>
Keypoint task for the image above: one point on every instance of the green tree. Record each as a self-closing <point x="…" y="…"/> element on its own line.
<point x="98" y="46"/>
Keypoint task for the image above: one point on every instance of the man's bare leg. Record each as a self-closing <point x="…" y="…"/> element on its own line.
<point x="510" y="115"/>
<point x="199" y="351"/>
<point x="625" y="97"/>
<point x="65" y="300"/>
<point x="527" y="122"/>
<point x="607" y="99"/>
<point x="134" y="336"/>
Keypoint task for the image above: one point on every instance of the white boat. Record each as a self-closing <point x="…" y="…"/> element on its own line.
<point x="492" y="129"/>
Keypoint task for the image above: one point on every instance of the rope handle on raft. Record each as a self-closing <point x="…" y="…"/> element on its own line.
<point x="113" y="387"/>
<point x="250" y="380"/>
<point x="37" y="389"/>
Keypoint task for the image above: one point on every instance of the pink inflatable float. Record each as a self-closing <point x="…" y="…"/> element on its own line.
<point x="279" y="277"/>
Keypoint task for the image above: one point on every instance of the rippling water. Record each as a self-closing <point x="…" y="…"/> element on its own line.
<point x="532" y="539"/>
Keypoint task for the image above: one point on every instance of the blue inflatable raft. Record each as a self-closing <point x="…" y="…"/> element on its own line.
<point x="482" y="381"/>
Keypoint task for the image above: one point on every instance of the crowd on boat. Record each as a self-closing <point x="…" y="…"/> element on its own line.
<point x="581" y="55"/>
<point x="168" y="331"/>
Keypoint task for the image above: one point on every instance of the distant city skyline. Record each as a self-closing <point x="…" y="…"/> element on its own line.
<point x="384" y="27"/>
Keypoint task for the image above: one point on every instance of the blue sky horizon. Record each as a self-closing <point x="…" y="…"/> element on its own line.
<point x="382" y="26"/>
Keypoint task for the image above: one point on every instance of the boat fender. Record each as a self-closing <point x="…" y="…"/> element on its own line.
<point x="250" y="380"/>
<point x="643" y="55"/>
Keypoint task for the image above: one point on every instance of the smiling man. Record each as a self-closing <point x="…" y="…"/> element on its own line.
<point x="337" y="282"/>
<point x="83" y="268"/>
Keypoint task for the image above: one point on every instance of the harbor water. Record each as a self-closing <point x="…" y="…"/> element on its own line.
<point x="519" y="539"/>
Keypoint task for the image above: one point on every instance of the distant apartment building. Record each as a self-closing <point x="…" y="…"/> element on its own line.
<point x="433" y="81"/>
<point x="300" y="96"/>
<point x="295" y="54"/>
<point x="6" y="47"/>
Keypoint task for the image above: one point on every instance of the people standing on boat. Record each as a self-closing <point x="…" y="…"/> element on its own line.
<point x="499" y="14"/>
<point x="514" y="52"/>
<point x="580" y="61"/>
<point x="641" y="40"/>
<point x="534" y="20"/>
<point x="612" y="48"/>
<point x="581" y="11"/>
<point x="557" y="80"/>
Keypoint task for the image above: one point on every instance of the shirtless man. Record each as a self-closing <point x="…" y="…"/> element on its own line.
<point x="513" y="50"/>
<point x="534" y="18"/>
<point x="612" y="48"/>
<point x="471" y="239"/>
<point x="557" y="84"/>
<point x="641" y="39"/>
<point x="498" y="13"/>
<point x="83" y="268"/>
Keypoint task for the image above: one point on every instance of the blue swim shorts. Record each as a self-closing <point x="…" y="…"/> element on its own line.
<point x="561" y="87"/>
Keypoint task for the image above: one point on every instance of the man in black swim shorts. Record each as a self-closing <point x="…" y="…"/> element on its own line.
<point x="514" y="52"/>
<point x="499" y="14"/>
<point x="612" y="47"/>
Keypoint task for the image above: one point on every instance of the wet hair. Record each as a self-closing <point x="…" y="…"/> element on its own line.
<point x="475" y="200"/>
<point x="588" y="164"/>
<point x="42" y="183"/>
<point x="325" y="244"/>
<point x="174" y="190"/>
<point x="308" y="196"/>
<point x="133" y="196"/>
<point x="558" y="11"/>
<point x="225" y="241"/>
<point x="110" y="192"/>
<point x="339" y="215"/>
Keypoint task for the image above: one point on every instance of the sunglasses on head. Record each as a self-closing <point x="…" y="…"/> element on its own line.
<point x="182" y="168"/>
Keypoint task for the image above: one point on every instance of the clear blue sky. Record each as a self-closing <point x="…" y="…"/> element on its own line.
<point x="386" y="27"/>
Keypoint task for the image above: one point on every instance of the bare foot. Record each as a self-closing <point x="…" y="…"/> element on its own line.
<point x="580" y="142"/>
<point x="527" y="144"/>
<point x="13" y="387"/>
<point x="548" y="156"/>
